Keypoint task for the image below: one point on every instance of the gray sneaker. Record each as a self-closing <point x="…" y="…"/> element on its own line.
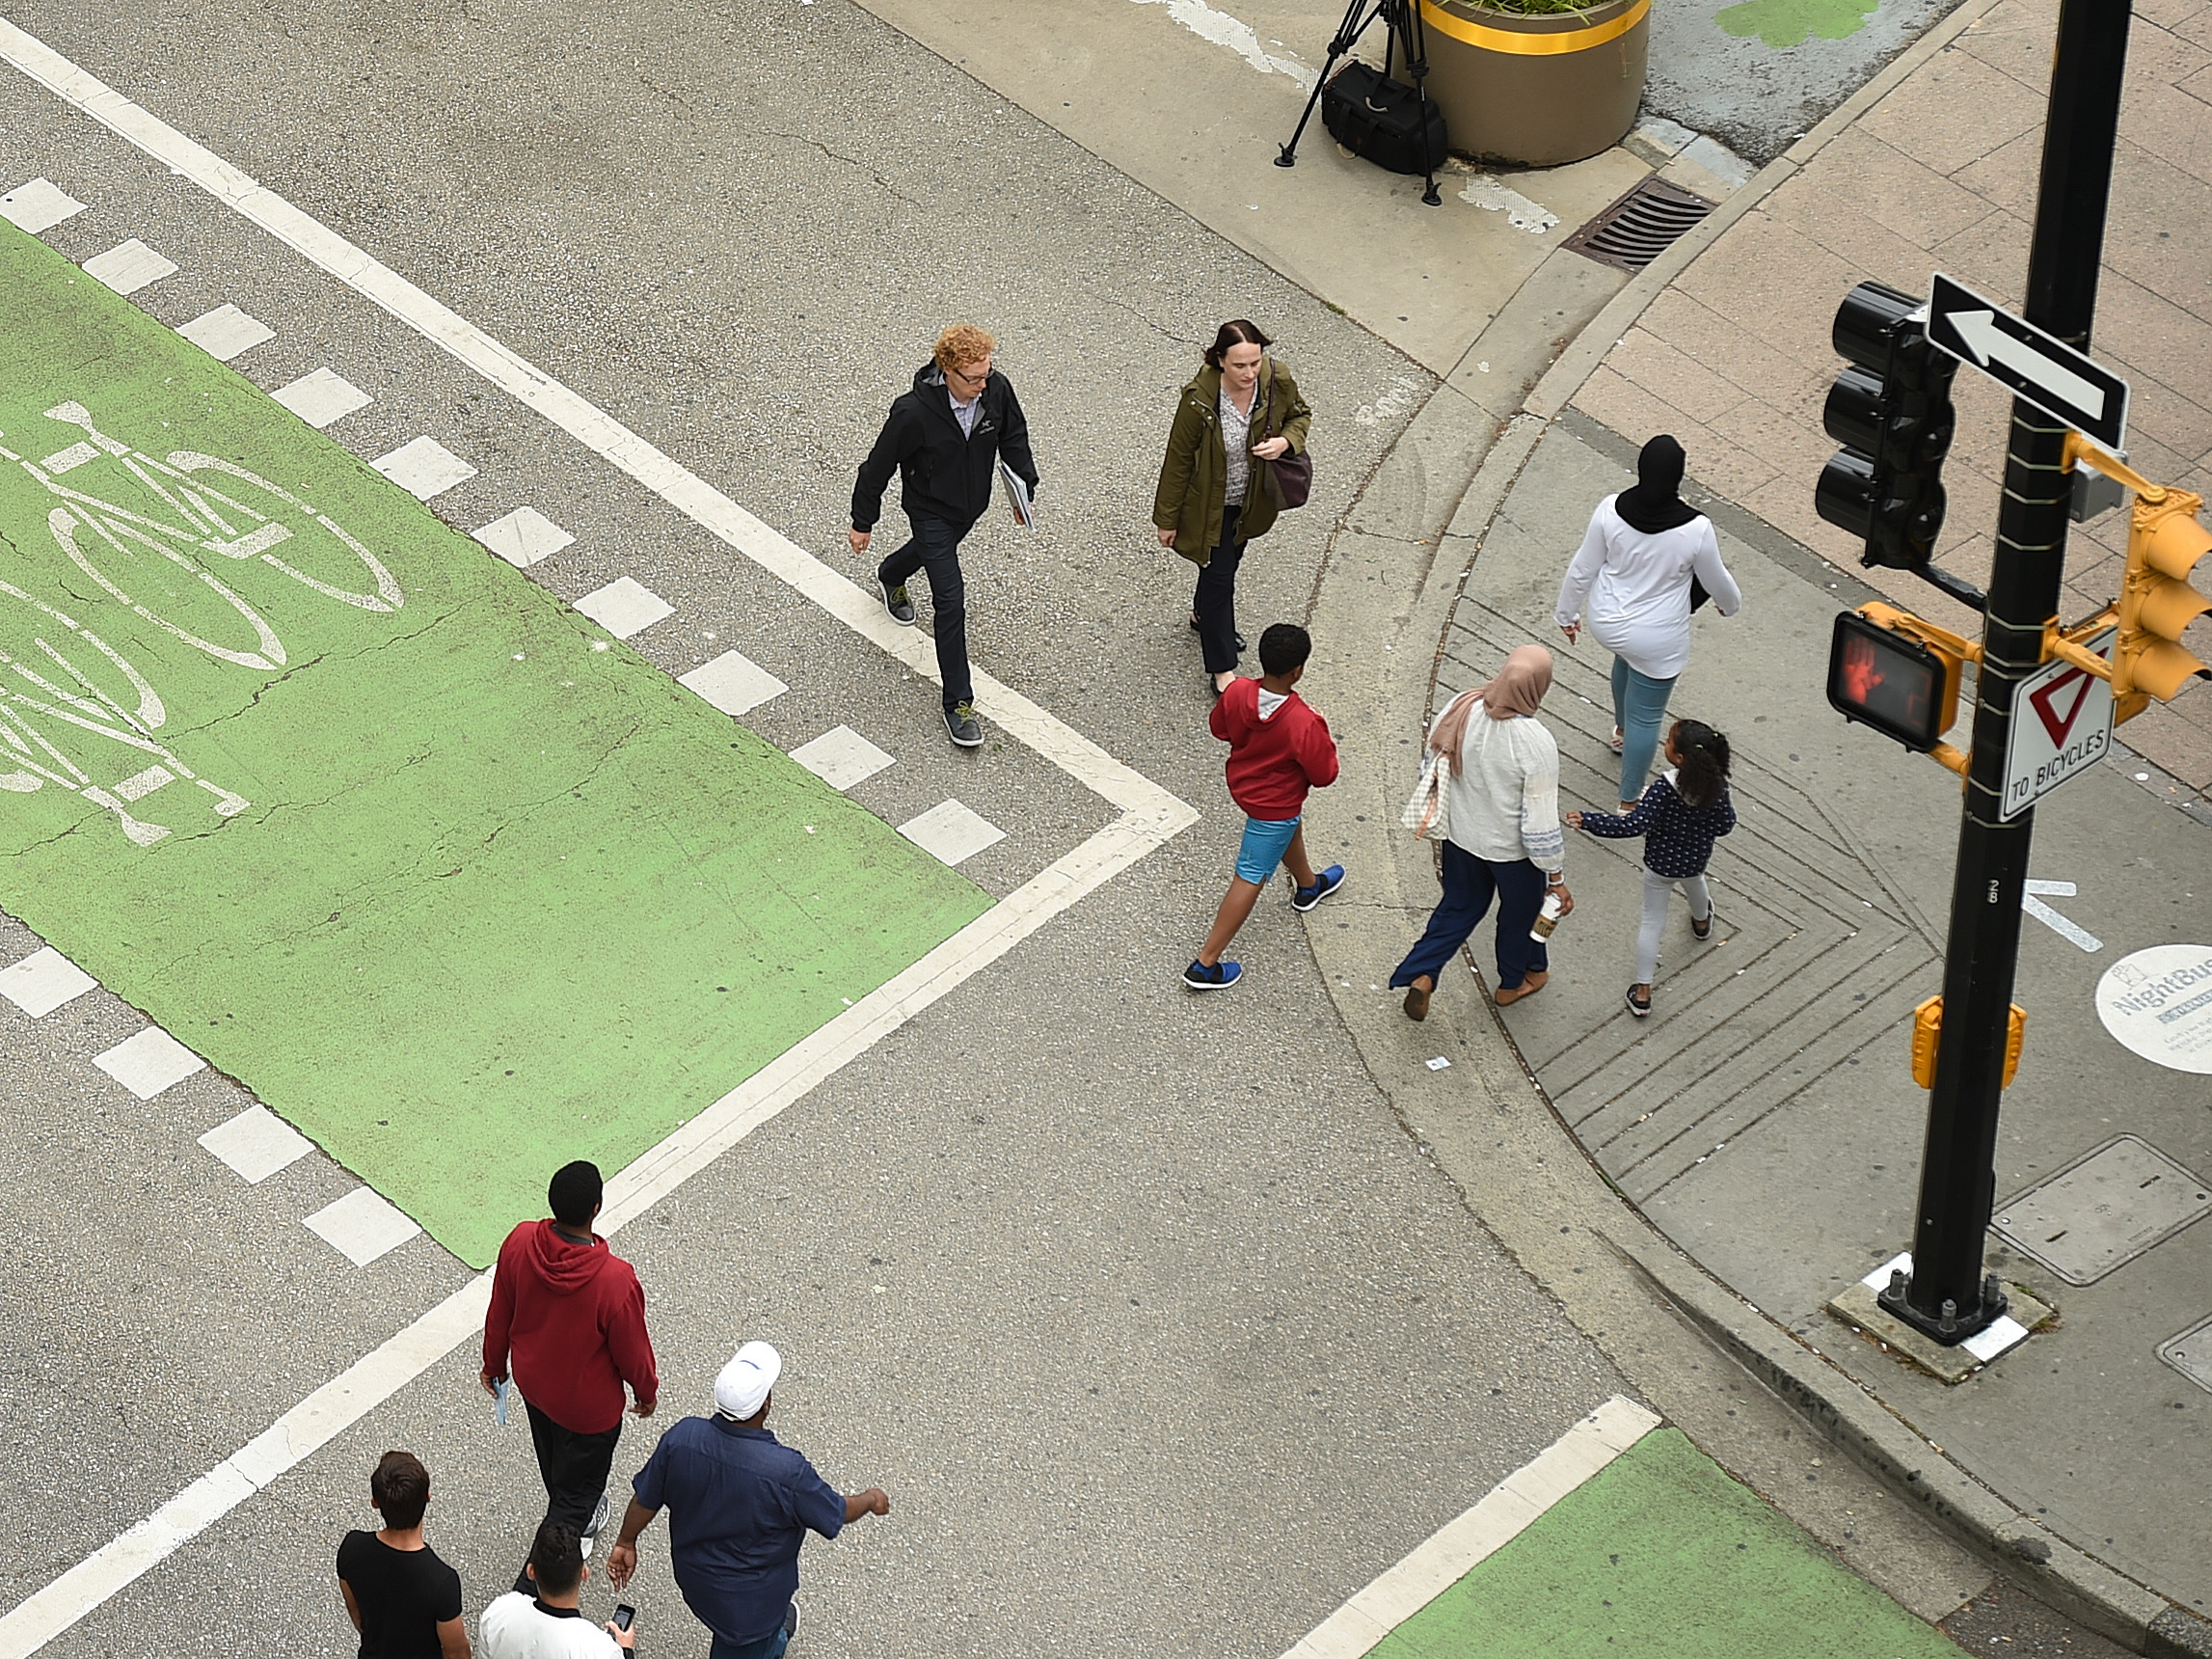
<point x="895" y="602"/>
<point x="591" y="1528"/>
<point x="963" y="727"/>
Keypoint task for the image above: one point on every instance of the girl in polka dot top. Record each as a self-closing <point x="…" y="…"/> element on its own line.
<point x="1681" y="813"/>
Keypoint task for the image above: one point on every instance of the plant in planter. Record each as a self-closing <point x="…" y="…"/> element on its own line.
<point x="1536" y="82"/>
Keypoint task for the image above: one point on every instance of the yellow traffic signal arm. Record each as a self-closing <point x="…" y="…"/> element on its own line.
<point x="2165" y="544"/>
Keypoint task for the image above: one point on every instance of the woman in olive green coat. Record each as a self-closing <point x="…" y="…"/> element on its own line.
<point x="1217" y="491"/>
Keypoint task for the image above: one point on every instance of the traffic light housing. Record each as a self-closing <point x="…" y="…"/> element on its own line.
<point x="1892" y="671"/>
<point x="1891" y="411"/>
<point x="2165" y="544"/>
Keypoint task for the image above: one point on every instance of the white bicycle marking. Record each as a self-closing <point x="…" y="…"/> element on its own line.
<point x="64" y="524"/>
<point x="44" y="725"/>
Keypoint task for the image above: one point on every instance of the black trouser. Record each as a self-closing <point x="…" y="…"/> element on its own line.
<point x="935" y="551"/>
<point x="574" y="1467"/>
<point x="1214" y="604"/>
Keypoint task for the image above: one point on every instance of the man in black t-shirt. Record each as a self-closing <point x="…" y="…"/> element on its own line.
<point x="405" y="1602"/>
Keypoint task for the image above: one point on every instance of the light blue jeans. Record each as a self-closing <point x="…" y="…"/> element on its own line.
<point x="1640" y="710"/>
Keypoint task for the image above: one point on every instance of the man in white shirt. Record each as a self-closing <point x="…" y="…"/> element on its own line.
<point x="550" y="1624"/>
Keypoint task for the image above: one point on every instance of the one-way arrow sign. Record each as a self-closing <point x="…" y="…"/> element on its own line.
<point x="2048" y="373"/>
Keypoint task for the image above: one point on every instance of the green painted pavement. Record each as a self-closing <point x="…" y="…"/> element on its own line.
<point x="455" y="884"/>
<point x="1661" y="1556"/>
<point x="1786" y="23"/>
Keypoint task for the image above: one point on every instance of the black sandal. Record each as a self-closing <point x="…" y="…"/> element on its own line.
<point x="1703" y="929"/>
<point x="1641" y="1010"/>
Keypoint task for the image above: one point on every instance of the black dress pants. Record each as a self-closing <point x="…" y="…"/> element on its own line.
<point x="1214" y="603"/>
<point x="936" y="552"/>
<point x="574" y="1468"/>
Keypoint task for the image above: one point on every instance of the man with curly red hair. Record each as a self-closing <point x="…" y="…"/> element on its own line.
<point x="945" y="438"/>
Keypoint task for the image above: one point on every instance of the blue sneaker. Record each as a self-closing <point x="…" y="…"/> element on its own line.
<point x="1324" y="883"/>
<point x="1219" y="977"/>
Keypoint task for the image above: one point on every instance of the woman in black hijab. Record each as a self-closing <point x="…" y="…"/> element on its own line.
<point x="1645" y="550"/>
<point x="1654" y="502"/>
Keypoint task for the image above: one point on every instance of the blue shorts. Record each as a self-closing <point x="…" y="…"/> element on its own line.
<point x="1265" y="841"/>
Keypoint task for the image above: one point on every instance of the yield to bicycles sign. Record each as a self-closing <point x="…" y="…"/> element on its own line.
<point x="2061" y="726"/>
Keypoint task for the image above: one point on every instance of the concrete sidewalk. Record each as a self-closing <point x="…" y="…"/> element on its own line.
<point x="1765" y="1118"/>
<point x="1938" y="172"/>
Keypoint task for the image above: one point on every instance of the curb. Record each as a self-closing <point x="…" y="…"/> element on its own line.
<point x="1870" y="1433"/>
<point x="1862" y="1426"/>
<point x="1858" y="1421"/>
<point x="1560" y="1197"/>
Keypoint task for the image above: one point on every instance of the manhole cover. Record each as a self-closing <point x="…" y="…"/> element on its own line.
<point x="2106" y="1208"/>
<point x="2191" y="1353"/>
<point x="1640" y="226"/>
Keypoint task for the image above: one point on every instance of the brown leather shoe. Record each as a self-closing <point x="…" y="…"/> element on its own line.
<point x="1417" y="1002"/>
<point x="1531" y="981"/>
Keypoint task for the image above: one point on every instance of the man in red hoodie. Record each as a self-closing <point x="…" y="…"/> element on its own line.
<point x="1279" y="749"/>
<point x="572" y="1315"/>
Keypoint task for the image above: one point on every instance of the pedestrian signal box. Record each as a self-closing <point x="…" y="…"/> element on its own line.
<point x="1887" y="679"/>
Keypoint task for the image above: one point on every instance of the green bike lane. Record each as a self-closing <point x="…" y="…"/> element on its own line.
<point x="455" y="882"/>
<point x="1660" y="1555"/>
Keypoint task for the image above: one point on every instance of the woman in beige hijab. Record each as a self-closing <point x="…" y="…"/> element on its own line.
<point x="1502" y="833"/>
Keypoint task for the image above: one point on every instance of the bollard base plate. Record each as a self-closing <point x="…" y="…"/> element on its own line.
<point x="1859" y="1308"/>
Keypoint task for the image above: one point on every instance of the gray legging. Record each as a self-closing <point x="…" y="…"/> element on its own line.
<point x="1656" y="890"/>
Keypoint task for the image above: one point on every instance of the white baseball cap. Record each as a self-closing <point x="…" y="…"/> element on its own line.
<point x="744" y="1386"/>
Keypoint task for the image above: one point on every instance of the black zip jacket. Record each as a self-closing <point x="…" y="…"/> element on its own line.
<point x="941" y="473"/>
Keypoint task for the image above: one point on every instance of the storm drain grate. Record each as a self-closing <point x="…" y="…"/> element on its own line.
<point x="1640" y="226"/>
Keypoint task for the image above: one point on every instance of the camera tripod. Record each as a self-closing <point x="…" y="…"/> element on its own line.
<point x="1401" y="21"/>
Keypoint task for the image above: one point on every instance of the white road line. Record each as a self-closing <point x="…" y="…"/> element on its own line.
<point x="2072" y="932"/>
<point x="361" y="1226"/>
<point x="38" y="206"/>
<point x="149" y="1062"/>
<point x="423" y="467"/>
<point x="376" y="1376"/>
<point x="625" y="607"/>
<point x="256" y="1144"/>
<point x="322" y="399"/>
<point x="732" y="682"/>
<point x="952" y="831"/>
<point x="594" y="429"/>
<point x="523" y="536"/>
<point x="1150" y="816"/>
<point x="840" y="757"/>
<point x="1454" y="1549"/>
<point x="43" y="981"/>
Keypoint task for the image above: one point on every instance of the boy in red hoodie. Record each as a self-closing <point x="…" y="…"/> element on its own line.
<point x="571" y="1315"/>
<point x="1279" y="749"/>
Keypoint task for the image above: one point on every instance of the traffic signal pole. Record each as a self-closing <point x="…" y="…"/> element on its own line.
<point x="1946" y="1296"/>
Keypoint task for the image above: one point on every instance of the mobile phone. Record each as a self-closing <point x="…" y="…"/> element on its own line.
<point x="500" y="1403"/>
<point x="624" y="1613"/>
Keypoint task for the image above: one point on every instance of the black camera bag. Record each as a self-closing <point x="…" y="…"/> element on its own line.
<point x="1382" y="120"/>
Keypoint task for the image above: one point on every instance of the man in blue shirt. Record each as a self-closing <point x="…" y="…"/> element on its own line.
<point x="740" y="1504"/>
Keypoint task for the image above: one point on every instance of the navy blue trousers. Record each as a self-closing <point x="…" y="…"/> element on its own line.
<point x="935" y="553"/>
<point x="1470" y="883"/>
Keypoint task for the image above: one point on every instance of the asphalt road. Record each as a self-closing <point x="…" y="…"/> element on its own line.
<point x="1181" y="1338"/>
<point x="1157" y="1324"/>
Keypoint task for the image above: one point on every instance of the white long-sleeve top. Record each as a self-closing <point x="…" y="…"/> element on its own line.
<point x="1505" y="802"/>
<point x="1632" y="589"/>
